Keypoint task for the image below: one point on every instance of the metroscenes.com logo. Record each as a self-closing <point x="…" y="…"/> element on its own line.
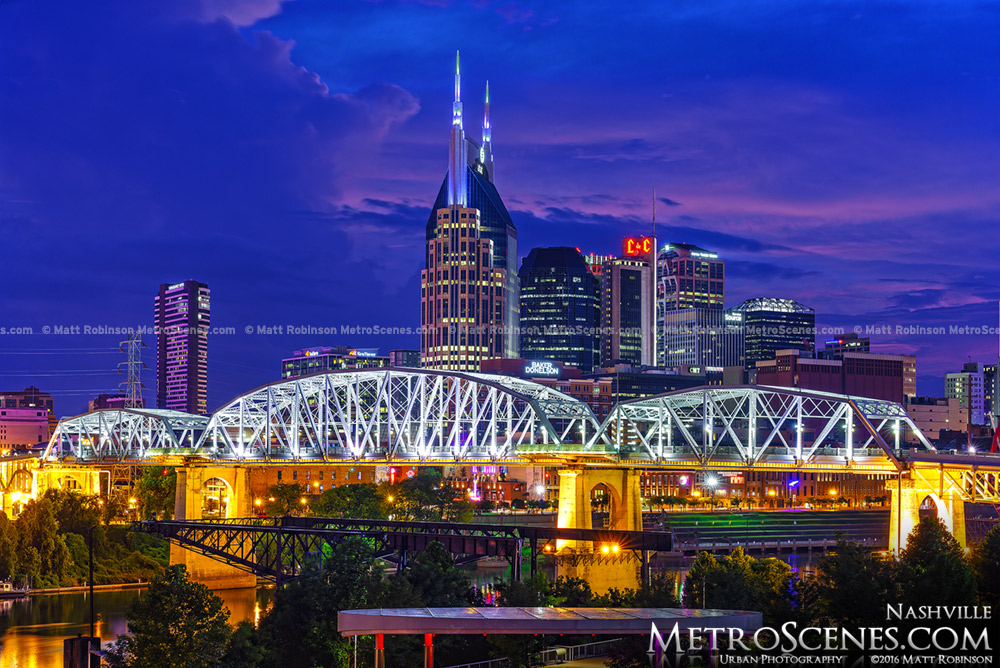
<point x="913" y="635"/>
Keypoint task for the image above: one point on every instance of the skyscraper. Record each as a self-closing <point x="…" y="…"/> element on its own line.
<point x="466" y="287"/>
<point x="771" y="324"/>
<point x="181" y="317"/>
<point x="560" y="308"/>
<point x="690" y="277"/>
<point x="691" y="328"/>
<point x="470" y="179"/>
<point x="627" y="312"/>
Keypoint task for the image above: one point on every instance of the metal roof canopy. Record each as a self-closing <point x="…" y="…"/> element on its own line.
<point x="541" y="620"/>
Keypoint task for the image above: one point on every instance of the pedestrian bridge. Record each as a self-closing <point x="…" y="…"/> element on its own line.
<point x="380" y="415"/>
<point x="374" y="417"/>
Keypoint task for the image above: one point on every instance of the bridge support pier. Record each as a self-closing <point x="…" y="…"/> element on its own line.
<point x="907" y="495"/>
<point x="212" y="492"/>
<point x="602" y="566"/>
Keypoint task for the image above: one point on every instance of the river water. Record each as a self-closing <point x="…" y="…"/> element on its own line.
<point x="32" y="630"/>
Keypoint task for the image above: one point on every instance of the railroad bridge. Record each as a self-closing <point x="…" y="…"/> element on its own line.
<point x="382" y="417"/>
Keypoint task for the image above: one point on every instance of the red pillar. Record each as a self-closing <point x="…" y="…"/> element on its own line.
<point x="379" y="652"/>
<point x="428" y="650"/>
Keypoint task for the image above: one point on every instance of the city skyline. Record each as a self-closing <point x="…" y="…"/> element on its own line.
<point x="838" y="186"/>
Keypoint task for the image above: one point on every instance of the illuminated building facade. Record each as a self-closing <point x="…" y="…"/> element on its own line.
<point x="690" y="277"/>
<point x="23" y="427"/>
<point x="469" y="182"/>
<point x="560" y="308"/>
<point x="31" y="397"/>
<point x="326" y="358"/>
<point x="771" y="324"/>
<point x="181" y="315"/>
<point x="701" y="337"/>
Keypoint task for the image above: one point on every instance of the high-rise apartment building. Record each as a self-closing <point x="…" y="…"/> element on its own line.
<point x="470" y="183"/>
<point x="465" y="313"/>
<point x="771" y="324"/>
<point x="560" y="308"/>
<point x="181" y="316"/>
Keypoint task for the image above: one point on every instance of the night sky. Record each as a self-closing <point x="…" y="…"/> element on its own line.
<point x="845" y="154"/>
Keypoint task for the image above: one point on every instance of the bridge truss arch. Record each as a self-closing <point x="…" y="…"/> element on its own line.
<point x="127" y="433"/>
<point x="745" y="424"/>
<point x="395" y="414"/>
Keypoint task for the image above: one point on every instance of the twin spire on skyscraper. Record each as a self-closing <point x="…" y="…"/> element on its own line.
<point x="458" y="151"/>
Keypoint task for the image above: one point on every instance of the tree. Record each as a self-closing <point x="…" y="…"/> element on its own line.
<point x="176" y="623"/>
<point x="738" y="581"/>
<point x="9" y="563"/>
<point x="436" y="580"/>
<point x="285" y="499"/>
<point x="301" y="630"/>
<point x="38" y="529"/>
<point x="852" y="586"/>
<point x="156" y="490"/>
<point x="933" y="567"/>
<point x="659" y="592"/>
<point x="572" y="592"/>
<point x="536" y="591"/>
<point x="986" y="568"/>
<point x="360" y="500"/>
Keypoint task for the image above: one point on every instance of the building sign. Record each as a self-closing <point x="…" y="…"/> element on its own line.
<point x="538" y="368"/>
<point x="637" y="246"/>
<point x="363" y="353"/>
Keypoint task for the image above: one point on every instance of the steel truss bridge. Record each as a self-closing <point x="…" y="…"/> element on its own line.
<point x="282" y="547"/>
<point x="408" y="415"/>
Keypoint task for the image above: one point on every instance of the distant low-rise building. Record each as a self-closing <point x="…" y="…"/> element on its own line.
<point x="857" y="374"/>
<point x="932" y="415"/>
<point x="111" y="401"/>
<point x="331" y="358"/>
<point x="404" y="359"/>
<point x="23" y="428"/>
<point x="969" y="387"/>
<point x="834" y="349"/>
<point x="31" y="397"/>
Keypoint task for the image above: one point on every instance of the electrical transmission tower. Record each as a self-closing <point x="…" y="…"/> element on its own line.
<point x="132" y="387"/>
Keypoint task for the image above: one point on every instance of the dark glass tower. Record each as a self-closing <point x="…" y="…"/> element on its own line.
<point x="771" y="324"/>
<point x="560" y="308"/>
<point x="495" y="221"/>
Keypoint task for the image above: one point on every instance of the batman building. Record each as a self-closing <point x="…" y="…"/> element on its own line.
<point x="469" y="184"/>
